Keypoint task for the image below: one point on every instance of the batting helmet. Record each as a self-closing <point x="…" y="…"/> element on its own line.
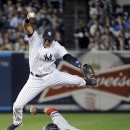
<point x="51" y="126"/>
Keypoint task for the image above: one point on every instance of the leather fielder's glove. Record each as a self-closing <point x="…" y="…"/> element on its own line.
<point x="87" y="71"/>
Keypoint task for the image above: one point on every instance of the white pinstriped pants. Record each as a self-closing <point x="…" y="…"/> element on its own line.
<point x="36" y="85"/>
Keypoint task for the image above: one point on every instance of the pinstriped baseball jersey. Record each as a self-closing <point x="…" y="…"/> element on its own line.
<point x="41" y="59"/>
<point x="60" y="121"/>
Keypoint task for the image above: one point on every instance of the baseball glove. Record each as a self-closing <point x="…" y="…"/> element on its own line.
<point x="87" y="71"/>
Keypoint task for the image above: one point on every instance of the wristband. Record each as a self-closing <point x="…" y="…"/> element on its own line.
<point x="50" y="110"/>
<point x="77" y="64"/>
<point x="26" y="20"/>
<point x="39" y="110"/>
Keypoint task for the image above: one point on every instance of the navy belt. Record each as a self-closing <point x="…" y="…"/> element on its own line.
<point x="39" y="76"/>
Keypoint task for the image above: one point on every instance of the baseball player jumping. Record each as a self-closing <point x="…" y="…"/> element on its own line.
<point x="43" y="52"/>
<point x="59" y="122"/>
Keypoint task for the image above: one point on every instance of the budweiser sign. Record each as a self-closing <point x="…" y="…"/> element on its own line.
<point x="116" y="81"/>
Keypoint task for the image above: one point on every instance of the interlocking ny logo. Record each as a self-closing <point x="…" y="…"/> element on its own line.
<point x="49" y="33"/>
<point x="48" y="57"/>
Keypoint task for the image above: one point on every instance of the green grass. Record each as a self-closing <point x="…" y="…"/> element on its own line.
<point x="83" y="121"/>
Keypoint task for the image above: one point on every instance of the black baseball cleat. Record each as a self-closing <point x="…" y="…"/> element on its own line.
<point x="91" y="82"/>
<point x="12" y="127"/>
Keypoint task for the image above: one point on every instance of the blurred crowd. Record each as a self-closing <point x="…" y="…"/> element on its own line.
<point x="108" y="27"/>
<point x="12" y="13"/>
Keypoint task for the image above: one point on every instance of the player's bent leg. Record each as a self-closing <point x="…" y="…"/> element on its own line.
<point x="63" y="78"/>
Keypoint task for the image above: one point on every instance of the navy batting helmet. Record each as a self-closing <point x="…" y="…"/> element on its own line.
<point x="51" y="126"/>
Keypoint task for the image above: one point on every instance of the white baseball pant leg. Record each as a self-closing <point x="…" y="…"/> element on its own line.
<point x="36" y="85"/>
<point x="63" y="78"/>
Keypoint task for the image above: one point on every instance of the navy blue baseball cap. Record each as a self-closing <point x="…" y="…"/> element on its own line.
<point x="49" y="33"/>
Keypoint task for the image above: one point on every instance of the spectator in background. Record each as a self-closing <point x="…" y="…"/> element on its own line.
<point x="24" y="11"/>
<point x="18" y="7"/>
<point x="106" y="31"/>
<point x="13" y="36"/>
<point x="43" y="16"/>
<point x="11" y="13"/>
<point x="20" y="45"/>
<point x="96" y="9"/>
<point x="108" y="39"/>
<point x="7" y="45"/>
<point x="8" y="8"/>
<point x="82" y="34"/>
<point x="29" y="7"/>
<point x="107" y="8"/>
<point x="119" y="27"/>
<point x="41" y="28"/>
<point x="20" y="32"/>
<point x="14" y="21"/>
<point x="5" y="35"/>
<point x="121" y="44"/>
<point x="97" y="37"/>
<point x="94" y="27"/>
<point x="108" y="22"/>
<point x="59" y="38"/>
<point x="95" y="46"/>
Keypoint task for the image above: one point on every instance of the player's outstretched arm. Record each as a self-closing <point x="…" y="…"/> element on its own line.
<point x="26" y="23"/>
<point x="34" y="110"/>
